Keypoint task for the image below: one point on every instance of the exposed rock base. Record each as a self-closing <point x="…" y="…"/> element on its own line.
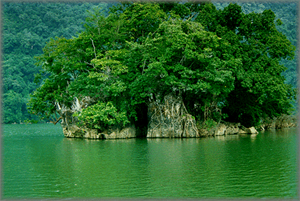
<point x="170" y="119"/>
<point x="227" y="129"/>
<point x="73" y="131"/>
<point x="283" y="121"/>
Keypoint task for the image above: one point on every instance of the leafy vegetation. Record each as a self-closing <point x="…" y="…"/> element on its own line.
<point x="225" y="64"/>
<point x="259" y="90"/>
<point x="26" y="29"/>
<point x="101" y="116"/>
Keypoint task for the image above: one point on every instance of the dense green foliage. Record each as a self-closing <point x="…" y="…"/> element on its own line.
<point x="287" y="13"/>
<point x="259" y="92"/>
<point x="28" y="26"/>
<point x="225" y="64"/>
<point x="26" y="29"/>
<point x="101" y="115"/>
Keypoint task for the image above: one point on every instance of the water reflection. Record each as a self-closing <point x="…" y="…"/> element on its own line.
<point x="262" y="165"/>
<point x="222" y="138"/>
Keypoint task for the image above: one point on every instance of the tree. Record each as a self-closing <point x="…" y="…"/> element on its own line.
<point x="224" y="64"/>
<point x="260" y="90"/>
<point x="285" y="12"/>
<point x="26" y="29"/>
<point x="182" y="58"/>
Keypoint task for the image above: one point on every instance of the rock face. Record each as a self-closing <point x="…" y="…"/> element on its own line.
<point x="71" y="130"/>
<point x="232" y="128"/>
<point x="227" y="129"/>
<point x="167" y="119"/>
<point x="116" y="133"/>
<point x="285" y="121"/>
<point x="221" y="130"/>
<point x="250" y="130"/>
<point x="170" y="118"/>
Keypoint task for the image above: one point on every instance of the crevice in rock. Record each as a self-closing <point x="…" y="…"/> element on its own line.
<point x="170" y="118"/>
<point x="142" y="123"/>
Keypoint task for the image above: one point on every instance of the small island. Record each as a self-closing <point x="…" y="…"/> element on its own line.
<point x="167" y="70"/>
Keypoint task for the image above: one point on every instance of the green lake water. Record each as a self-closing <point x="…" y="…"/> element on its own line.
<point x="38" y="162"/>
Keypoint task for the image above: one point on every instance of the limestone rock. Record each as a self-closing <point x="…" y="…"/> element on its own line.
<point x="225" y="128"/>
<point x="267" y="123"/>
<point x="221" y="129"/>
<point x="261" y="128"/>
<point x="170" y="118"/>
<point x="283" y="121"/>
<point x="190" y="128"/>
<point x="72" y="131"/>
<point x="127" y="132"/>
<point x="91" y="134"/>
<point x="242" y="131"/>
<point x="250" y="130"/>
<point x="205" y="132"/>
<point x="232" y="128"/>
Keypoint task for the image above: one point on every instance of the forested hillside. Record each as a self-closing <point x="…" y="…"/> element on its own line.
<point x="26" y="29"/>
<point x="287" y="13"/>
<point x="28" y="26"/>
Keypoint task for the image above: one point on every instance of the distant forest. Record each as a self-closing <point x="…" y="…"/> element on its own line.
<point x="27" y="27"/>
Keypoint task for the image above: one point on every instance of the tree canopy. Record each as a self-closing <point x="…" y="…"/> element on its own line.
<point x="225" y="64"/>
<point x="27" y="27"/>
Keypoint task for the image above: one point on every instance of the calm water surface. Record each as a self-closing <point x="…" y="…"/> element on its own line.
<point x="38" y="162"/>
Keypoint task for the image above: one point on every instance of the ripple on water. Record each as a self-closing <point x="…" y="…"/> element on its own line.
<point x="46" y="165"/>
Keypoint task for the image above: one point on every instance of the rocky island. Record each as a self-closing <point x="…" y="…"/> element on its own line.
<point x="167" y="70"/>
<point x="168" y="120"/>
